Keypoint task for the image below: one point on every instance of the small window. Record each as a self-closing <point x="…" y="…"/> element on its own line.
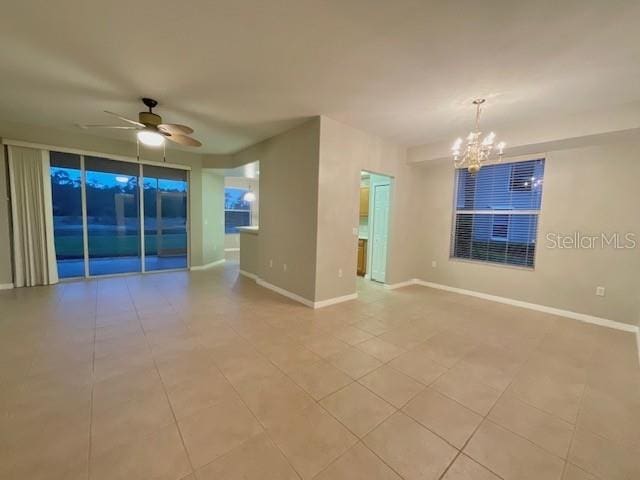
<point x="237" y="212"/>
<point x="496" y="213"/>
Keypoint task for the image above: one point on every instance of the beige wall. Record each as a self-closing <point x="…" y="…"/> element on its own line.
<point x="212" y="217"/>
<point x="288" y="207"/>
<point x="588" y="190"/>
<point x="344" y="152"/>
<point x="201" y="238"/>
<point x="250" y="257"/>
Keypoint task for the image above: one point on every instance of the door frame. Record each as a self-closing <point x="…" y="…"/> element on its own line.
<point x="389" y="180"/>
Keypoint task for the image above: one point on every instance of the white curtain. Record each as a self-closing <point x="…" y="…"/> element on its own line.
<point x="34" y="254"/>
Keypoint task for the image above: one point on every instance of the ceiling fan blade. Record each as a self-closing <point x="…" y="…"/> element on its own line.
<point x="184" y="140"/>
<point x="125" y="119"/>
<point x="175" y="129"/>
<point x="98" y="125"/>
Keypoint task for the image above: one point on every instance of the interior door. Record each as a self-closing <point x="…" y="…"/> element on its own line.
<point x="380" y="232"/>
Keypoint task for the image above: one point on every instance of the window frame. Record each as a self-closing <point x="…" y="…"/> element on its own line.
<point x="456" y="212"/>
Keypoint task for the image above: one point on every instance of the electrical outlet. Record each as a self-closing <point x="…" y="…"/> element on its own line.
<point x="339" y="273"/>
<point x="434" y="264"/>
<point x="600" y="291"/>
<point x="271" y="263"/>
<point x="284" y="267"/>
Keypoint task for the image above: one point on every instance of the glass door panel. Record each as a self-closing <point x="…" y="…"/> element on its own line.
<point x="66" y="195"/>
<point x="113" y="217"/>
<point x="165" y="218"/>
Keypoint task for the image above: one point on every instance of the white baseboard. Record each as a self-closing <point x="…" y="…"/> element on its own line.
<point x="252" y="276"/>
<point x="235" y="249"/>
<point x="6" y="286"/>
<point x="333" y="301"/>
<point x="285" y="293"/>
<point x="393" y="286"/>
<point x="208" y="265"/>
<point x="298" y="298"/>
<point x="583" y="317"/>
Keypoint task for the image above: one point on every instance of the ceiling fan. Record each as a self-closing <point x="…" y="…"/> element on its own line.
<point x="151" y="130"/>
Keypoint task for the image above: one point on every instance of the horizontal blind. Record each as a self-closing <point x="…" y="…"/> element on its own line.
<point x="496" y="213"/>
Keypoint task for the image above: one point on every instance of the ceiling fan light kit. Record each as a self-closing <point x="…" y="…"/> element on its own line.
<point x="150" y="138"/>
<point x="150" y="129"/>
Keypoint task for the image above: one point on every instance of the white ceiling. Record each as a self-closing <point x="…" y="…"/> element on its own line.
<point x="239" y="71"/>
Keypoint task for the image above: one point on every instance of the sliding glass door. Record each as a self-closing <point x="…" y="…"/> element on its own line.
<point x="66" y="193"/>
<point x="99" y="216"/>
<point x="113" y="216"/>
<point x="165" y="218"/>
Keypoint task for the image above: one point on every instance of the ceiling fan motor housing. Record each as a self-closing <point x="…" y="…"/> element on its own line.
<point x="150" y="119"/>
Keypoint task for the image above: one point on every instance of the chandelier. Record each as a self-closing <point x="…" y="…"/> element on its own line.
<point x="477" y="151"/>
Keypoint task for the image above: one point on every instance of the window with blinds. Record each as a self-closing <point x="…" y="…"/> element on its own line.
<point x="496" y="213"/>
<point x="237" y="211"/>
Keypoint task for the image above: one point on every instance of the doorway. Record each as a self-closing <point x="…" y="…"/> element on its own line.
<point x="373" y="230"/>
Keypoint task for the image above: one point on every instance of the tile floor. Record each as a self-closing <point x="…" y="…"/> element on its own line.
<point x="205" y="376"/>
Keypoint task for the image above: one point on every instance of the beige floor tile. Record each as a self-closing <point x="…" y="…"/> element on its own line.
<point x="418" y="366"/>
<point x="357" y="408"/>
<point x="612" y="415"/>
<point x="351" y="335"/>
<point x="372" y="326"/>
<point x="189" y="397"/>
<point x="326" y="345"/>
<point x="408" y="336"/>
<point x="465" y="389"/>
<point x="125" y="387"/>
<point x="242" y="367"/>
<point x="199" y="322"/>
<point x="603" y="458"/>
<point x="354" y="362"/>
<point x="393" y="386"/>
<point x="311" y="440"/>
<point x="571" y="472"/>
<point x="447" y="348"/>
<point x="42" y="450"/>
<point x="256" y="459"/>
<point x="274" y="398"/>
<point x="443" y="416"/>
<point x="558" y="396"/>
<point x="319" y="379"/>
<point x="410" y="449"/>
<point x="464" y="468"/>
<point x="383" y="351"/>
<point x="106" y="367"/>
<point x="159" y="456"/>
<point x="493" y="366"/>
<point x="290" y="356"/>
<point x="547" y="431"/>
<point x="216" y="430"/>
<point x="511" y="456"/>
<point x="125" y="421"/>
<point x="359" y="463"/>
